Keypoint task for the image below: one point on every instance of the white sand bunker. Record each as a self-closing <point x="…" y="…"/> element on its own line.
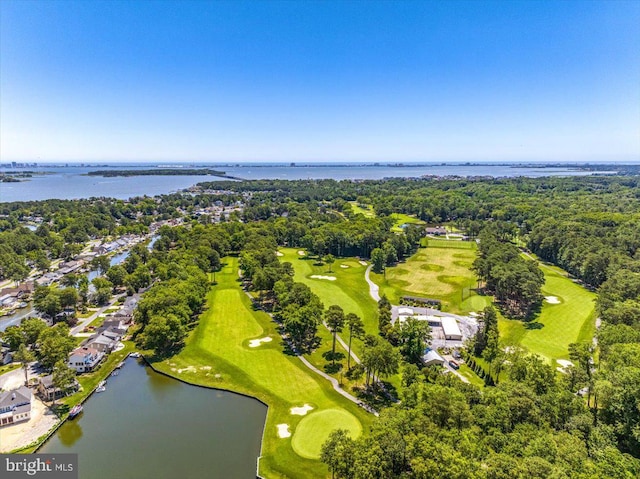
<point x="345" y="266"/>
<point x="301" y="411"/>
<point x="564" y="364"/>
<point x="363" y="263"/>
<point x="301" y="253"/>
<point x="189" y="369"/>
<point x="254" y="343"/>
<point x="552" y="299"/>
<point x="205" y="368"/>
<point x="283" y="431"/>
<point x="278" y="253"/>
<point x="319" y="276"/>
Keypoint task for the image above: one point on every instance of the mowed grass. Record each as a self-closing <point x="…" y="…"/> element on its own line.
<point x="217" y="355"/>
<point x="350" y="290"/>
<point x="440" y="271"/>
<point x="401" y="219"/>
<point x="314" y="428"/>
<point x="557" y="325"/>
<point x="366" y="210"/>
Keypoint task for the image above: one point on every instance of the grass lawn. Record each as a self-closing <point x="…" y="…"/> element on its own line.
<point x="440" y="271"/>
<point x="313" y="430"/>
<point x="401" y="218"/>
<point x="217" y="354"/>
<point x="557" y="325"/>
<point x="471" y="376"/>
<point x="350" y="290"/>
<point x="9" y="367"/>
<point x="367" y="210"/>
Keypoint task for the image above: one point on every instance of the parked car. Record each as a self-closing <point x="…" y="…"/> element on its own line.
<point x="454" y="365"/>
<point x="456" y="354"/>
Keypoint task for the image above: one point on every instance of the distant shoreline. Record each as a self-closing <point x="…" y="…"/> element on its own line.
<point x="160" y="172"/>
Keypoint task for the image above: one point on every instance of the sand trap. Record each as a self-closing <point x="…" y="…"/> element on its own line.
<point x="283" y="431"/>
<point x="190" y="369"/>
<point x="278" y="253"/>
<point x="301" y="411"/>
<point x="345" y="266"/>
<point x="363" y="263"/>
<point x="254" y="343"/>
<point x="301" y="253"/>
<point x="473" y="314"/>
<point x="205" y="368"/>
<point x="564" y="363"/>
<point x="319" y="276"/>
<point x="552" y="299"/>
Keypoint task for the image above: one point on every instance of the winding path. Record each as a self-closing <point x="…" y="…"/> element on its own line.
<point x="334" y="382"/>
<point x="374" y="289"/>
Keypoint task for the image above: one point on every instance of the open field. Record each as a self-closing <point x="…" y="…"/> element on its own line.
<point x="350" y="290"/>
<point x="440" y="271"/>
<point x="401" y="218"/>
<point x="366" y="211"/>
<point x="218" y="354"/>
<point x="557" y="325"/>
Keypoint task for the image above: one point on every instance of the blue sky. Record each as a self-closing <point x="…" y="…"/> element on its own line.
<point x="322" y="80"/>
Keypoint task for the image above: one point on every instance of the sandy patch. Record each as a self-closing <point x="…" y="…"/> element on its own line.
<point x="205" y="368"/>
<point x="301" y="253"/>
<point x="473" y="314"/>
<point x="301" y="411"/>
<point x="24" y="433"/>
<point x="345" y="266"/>
<point x="363" y="263"/>
<point x="319" y="276"/>
<point x="552" y="299"/>
<point x="254" y="343"/>
<point x="278" y="253"/>
<point x="189" y="369"/>
<point x="283" y="431"/>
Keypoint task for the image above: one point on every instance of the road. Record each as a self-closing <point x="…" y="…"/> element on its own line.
<point x="86" y="321"/>
<point x="374" y="289"/>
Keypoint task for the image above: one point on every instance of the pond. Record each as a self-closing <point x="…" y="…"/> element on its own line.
<point x="146" y="425"/>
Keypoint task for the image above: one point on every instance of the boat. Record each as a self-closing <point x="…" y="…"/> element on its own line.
<point x="135" y="354"/>
<point x="120" y="365"/>
<point x="100" y="389"/>
<point x="75" y="410"/>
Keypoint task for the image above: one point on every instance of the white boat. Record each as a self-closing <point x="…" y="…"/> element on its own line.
<point x="135" y="355"/>
<point x="100" y="389"/>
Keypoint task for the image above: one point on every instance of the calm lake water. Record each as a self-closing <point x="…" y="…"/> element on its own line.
<point x="71" y="182"/>
<point x="146" y="425"/>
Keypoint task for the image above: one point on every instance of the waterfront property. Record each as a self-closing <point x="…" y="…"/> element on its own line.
<point x="15" y="406"/>
<point x="84" y="359"/>
<point x="49" y="392"/>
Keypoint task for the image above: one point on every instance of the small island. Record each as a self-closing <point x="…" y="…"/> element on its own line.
<point x="160" y="172"/>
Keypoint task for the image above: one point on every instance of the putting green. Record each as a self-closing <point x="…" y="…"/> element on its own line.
<point x="314" y="430"/>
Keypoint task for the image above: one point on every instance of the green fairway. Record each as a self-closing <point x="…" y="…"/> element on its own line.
<point x="401" y="219"/>
<point x="441" y="271"/>
<point x="218" y="354"/>
<point x="349" y="290"/>
<point x="315" y="428"/>
<point x="445" y="243"/>
<point x="367" y="210"/>
<point x="557" y="325"/>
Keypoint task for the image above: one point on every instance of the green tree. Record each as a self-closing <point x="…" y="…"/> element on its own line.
<point x="101" y="264"/>
<point x="337" y="453"/>
<point x="356" y="330"/>
<point x="329" y="259"/>
<point x="54" y="344"/>
<point x="64" y="378"/>
<point x="378" y="260"/>
<point x="334" y="317"/>
<point x="25" y="356"/>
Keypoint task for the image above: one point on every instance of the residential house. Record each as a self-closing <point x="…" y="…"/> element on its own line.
<point x="101" y="343"/>
<point x="15" y="406"/>
<point x="49" y="392"/>
<point x="84" y="359"/>
<point x="436" y="230"/>
<point x="431" y="357"/>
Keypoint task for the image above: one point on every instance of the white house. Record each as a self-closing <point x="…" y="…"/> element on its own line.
<point x="432" y="357"/>
<point x="15" y="406"/>
<point x="84" y="359"/>
<point x="451" y="329"/>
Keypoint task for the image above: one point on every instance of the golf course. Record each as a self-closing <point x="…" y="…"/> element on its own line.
<point x="229" y="350"/>
<point x="567" y="316"/>
<point x="441" y="270"/>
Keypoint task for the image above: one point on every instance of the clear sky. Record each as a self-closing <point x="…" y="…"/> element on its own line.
<point x="319" y="80"/>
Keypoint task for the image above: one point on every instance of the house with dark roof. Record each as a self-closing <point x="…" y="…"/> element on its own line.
<point x="49" y="392"/>
<point x="15" y="406"/>
<point x="101" y="343"/>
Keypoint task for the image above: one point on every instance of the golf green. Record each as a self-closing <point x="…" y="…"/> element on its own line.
<point x="314" y="430"/>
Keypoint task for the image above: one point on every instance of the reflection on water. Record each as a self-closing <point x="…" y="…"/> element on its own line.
<point x="72" y="431"/>
<point x="152" y="426"/>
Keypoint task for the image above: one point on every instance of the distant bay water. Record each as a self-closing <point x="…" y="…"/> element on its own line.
<point x="71" y="182"/>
